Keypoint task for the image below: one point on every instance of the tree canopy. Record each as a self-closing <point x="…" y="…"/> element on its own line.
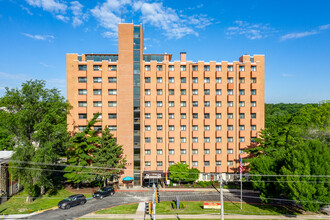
<point x="180" y="172"/>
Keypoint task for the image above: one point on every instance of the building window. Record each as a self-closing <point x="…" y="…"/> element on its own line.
<point x="206" y="151"/>
<point x="159" y="79"/>
<point x="206" y="127"/>
<point x="82" y="116"/>
<point x="159" y="127"/>
<point x="195" y="91"/>
<point x="218" y="68"/>
<point x="230" y="92"/>
<point x="241" y="139"/>
<point x="218" y="115"/>
<point x="112" y="91"/>
<point x="195" y="139"/>
<point x="97" y="67"/>
<point x="206" y="92"/>
<point x="206" y="115"/>
<point x="81" y="128"/>
<point x="206" y="104"/>
<point x="170" y="68"/>
<point x="253" y="80"/>
<point x="195" y="103"/>
<point x="253" y="68"/>
<point x="242" y="92"/>
<point x="195" y="68"/>
<point x="218" y="151"/>
<point x="218" y="103"/>
<point x="230" y="115"/>
<point x="195" y="80"/>
<point x="230" y="104"/>
<point x="241" y="104"/>
<point x="253" y="115"/>
<point x="147" y="79"/>
<point x="206" y="140"/>
<point x="230" y="68"/>
<point x="171" y="91"/>
<point x="82" y="67"/>
<point x="159" y="115"/>
<point x="112" y="104"/>
<point x="242" y="80"/>
<point x="171" y="80"/>
<point x="230" y="151"/>
<point x="230" y="139"/>
<point x="159" y="92"/>
<point x="82" y="91"/>
<point x="183" y="140"/>
<point x="82" y="79"/>
<point x="97" y="128"/>
<point x="218" y="127"/>
<point x="147" y="163"/>
<point x="171" y="115"/>
<point x="218" y="80"/>
<point x="147" y="128"/>
<point x="171" y="151"/>
<point x="183" y="68"/>
<point x="147" y="116"/>
<point x="183" y="115"/>
<point x="112" y="80"/>
<point x="159" y="140"/>
<point x="183" y="79"/>
<point x="159" y="163"/>
<point x="97" y="91"/>
<point x="230" y="127"/>
<point x="171" y="103"/>
<point x="218" y="139"/>
<point x="242" y="127"/>
<point x="171" y="139"/>
<point x="218" y="163"/>
<point x="241" y="68"/>
<point x="183" y="92"/>
<point x="147" y="104"/>
<point x="170" y="163"/>
<point x="195" y="163"/>
<point x="253" y="139"/>
<point x="112" y="68"/>
<point x="147" y="152"/>
<point x="183" y="151"/>
<point x="230" y="163"/>
<point x="253" y="127"/>
<point x="147" y="139"/>
<point x="195" y="151"/>
<point x="207" y="68"/>
<point x="159" y="67"/>
<point x="183" y="103"/>
<point x="97" y="104"/>
<point x="171" y="127"/>
<point x="183" y="127"/>
<point x="253" y="92"/>
<point x="241" y="115"/>
<point x="147" y="91"/>
<point x="97" y="79"/>
<point x="230" y="80"/>
<point x="253" y="104"/>
<point x="159" y="104"/>
<point x="206" y="163"/>
<point x="112" y="115"/>
<point x="206" y="80"/>
<point x="159" y="152"/>
<point x="147" y="67"/>
<point x="195" y="127"/>
<point x="195" y="115"/>
<point x="218" y="92"/>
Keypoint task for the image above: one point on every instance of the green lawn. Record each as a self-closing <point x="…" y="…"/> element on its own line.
<point x="17" y="204"/>
<point x="122" y="209"/>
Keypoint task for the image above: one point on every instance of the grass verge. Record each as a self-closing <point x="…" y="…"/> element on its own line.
<point x="122" y="209"/>
<point x="17" y="204"/>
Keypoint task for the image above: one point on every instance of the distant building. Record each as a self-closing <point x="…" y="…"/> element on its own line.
<point x="162" y="111"/>
<point x="5" y="180"/>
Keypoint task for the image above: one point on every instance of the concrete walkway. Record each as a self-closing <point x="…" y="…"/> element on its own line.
<point x="144" y="189"/>
<point x="206" y="216"/>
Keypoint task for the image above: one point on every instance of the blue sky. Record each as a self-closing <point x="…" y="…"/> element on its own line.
<point x="36" y="35"/>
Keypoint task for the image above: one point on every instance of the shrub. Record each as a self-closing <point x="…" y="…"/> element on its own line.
<point x="181" y="205"/>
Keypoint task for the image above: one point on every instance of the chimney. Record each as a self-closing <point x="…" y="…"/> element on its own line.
<point x="183" y="56"/>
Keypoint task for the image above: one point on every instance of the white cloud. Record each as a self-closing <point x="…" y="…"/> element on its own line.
<point x="26" y="9"/>
<point x="296" y="35"/>
<point x="47" y="65"/>
<point x="48" y="5"/>
<point x="39" y="37"/>
<point x="110" y="34"/>
<point x="78" y="15"/>
<point x="62" y="18"/>
<point x="7" y="76"/>
<point x="250" y="31"/>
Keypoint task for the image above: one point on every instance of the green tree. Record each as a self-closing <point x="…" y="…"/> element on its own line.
<point x="6" y="137"/>
<point x="109" y="154"/>
<point x="180" y="172"/>
<point x="37" y="120"/>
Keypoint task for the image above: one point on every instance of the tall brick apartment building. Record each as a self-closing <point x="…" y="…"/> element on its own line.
<point x="163" y="111"/>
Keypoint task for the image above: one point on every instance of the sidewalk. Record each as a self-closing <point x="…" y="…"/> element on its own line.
<point x="141" y="189"/>
<point x="215" y="216"/>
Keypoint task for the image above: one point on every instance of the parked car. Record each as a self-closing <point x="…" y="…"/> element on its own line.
<point x="103" y="192"/>
<point x="71" y="201"/>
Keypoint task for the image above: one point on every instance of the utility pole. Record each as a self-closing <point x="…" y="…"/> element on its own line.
<point x="221" y="197"/>
<point x="154" y="202"/>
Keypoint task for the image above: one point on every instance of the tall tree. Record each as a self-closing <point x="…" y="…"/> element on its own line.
<point x="180" y="172"/>
<point x="38" y="122"/>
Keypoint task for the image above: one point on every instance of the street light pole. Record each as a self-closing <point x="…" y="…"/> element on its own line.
<point x="221" y="197"/>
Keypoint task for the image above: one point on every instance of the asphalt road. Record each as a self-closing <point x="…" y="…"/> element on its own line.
<point x="121" y="198"/>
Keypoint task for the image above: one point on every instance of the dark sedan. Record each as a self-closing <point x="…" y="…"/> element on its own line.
<point x="103" y="192"/>
<point x="71" y="201"/>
